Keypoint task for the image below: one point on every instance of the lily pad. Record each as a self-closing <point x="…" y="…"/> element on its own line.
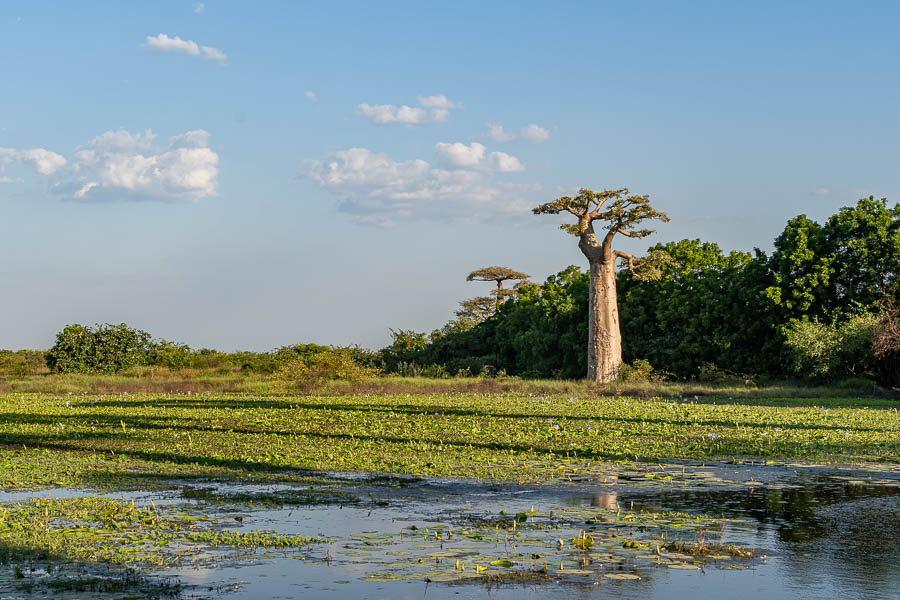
<point x="621" y="576"/>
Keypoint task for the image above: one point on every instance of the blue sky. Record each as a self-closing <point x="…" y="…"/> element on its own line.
<point x="249" y="175"/>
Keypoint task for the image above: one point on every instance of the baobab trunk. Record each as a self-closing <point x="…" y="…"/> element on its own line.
<point x="604" y="337"/>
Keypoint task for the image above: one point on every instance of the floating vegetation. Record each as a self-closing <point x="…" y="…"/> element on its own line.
<point x="103" y="532"/>
<point x="142" y="440"/>
<point x="286" y="497"/>
<point x="559" y="543"/>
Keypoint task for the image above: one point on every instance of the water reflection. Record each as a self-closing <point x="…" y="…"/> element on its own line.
<point x="607" y="500"/>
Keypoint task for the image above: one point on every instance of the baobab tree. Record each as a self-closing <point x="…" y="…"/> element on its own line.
<point x="499" y="275"/>
<point x="477" y="309"/>
<point x="621" y="212"/>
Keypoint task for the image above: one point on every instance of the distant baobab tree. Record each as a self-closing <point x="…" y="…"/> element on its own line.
<point x="498" y="275"/>
<point x="621" y="212"/>
<point x="477" y="309"/>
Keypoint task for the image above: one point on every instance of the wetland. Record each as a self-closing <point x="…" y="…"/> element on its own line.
<point x="209" y="495"/>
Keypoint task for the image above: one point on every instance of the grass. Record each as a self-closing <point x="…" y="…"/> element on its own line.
<point x="162" y="380"/>
<point x="138" y="440"/>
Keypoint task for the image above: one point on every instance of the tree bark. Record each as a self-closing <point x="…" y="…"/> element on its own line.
<point x="604" y="336"/>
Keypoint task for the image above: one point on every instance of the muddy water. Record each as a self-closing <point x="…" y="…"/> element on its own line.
<point x="814" y="533"/>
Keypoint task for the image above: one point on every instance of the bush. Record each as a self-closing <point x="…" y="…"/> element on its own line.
<point x="21" y="363"/>
<point x="101" y="349"/>
<point x="639" y="371"/>
<point x="825" y="352"/>
<point x="311" y="371"/>
<point x="175" y="356"/>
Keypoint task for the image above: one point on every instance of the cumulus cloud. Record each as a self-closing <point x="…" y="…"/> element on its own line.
<point x="377" y="190"/>
<point x="9" y="180"/>
<point x="386" y="114"/>
<point x="431" y="109"/>
<point x="119" y="165"/>
<point x="460" y="155"/>
<point x="311" y="96"/>
<point x="199" y="7"/>
<point x="475" y="156"/>
<point x="43" y="161"/>
<point x="163" y="43"/>
<point x="498" y="134"/>
<point x="535" y="134"/>
<point x="503" y="162"/>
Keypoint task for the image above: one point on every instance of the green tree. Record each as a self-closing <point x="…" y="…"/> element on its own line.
<point x="863" y="242"/>
<point x="621" y="212"/>
<point x="101" y="349"/>
<point x="542" y="330"/>
<point x="845" y="266"/>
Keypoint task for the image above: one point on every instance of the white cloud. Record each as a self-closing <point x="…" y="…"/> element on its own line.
<point x="124" y="141"/>
<point x="311" y="96"/>
<point x="821" y="191"/>
<point x="196" y="138"/>
<point x="386" y="114"/>
<point x="377" y="190"/>
<point x="430" y="109"/>
<point x="440" y="101"/>
<point x="460" y="155"/>
<point x="498" y="134"/>
<point x="43" y="161"/>
<point x="475" y="156"/>
<point x="503" y="162"/>
<point x="535" y="134"/>
<point x="10" y="180"/>
<point x="119" y="165"/>
<point x="163" y="43"/>
<point x="199" y="7"/>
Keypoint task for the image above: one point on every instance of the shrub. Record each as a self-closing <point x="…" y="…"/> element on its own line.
<point x="639" y="371"/>
<point x="174" y="356"/>
<point x="825" y="352"/>
<point x="312" y="371"/>
<point x="21" y="362"/>
<point x="101" y="349"/>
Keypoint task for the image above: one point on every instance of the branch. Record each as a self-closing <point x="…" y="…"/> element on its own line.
<point x="629" y="259"/>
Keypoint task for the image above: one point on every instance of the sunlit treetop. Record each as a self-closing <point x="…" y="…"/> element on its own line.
<point x="619" y="209"/>
<point x="496" y="273"/>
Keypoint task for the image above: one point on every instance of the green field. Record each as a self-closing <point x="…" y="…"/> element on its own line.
<point x="127" y="440"/>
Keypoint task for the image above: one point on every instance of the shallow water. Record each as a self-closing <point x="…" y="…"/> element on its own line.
<point x="817" y="533"/>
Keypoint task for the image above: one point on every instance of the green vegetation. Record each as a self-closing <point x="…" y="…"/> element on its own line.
<point x="98" y="529"/>
<point x="706" y="308"/>
<point x="136" y="440"/>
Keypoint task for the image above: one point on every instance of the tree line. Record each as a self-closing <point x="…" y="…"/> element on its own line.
<point x="821" y="305"/>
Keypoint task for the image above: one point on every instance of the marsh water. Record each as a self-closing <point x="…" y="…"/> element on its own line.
<point x="772" y="532"/>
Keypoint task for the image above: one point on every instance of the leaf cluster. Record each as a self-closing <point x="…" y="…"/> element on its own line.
<point x="619" y="209"/>
<point x="495" y="273"/>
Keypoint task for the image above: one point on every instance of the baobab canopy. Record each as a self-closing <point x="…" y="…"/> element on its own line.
<point x="498" y="274"/>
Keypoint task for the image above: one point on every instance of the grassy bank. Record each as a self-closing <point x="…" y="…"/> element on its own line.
<point x="519" y="436"/>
